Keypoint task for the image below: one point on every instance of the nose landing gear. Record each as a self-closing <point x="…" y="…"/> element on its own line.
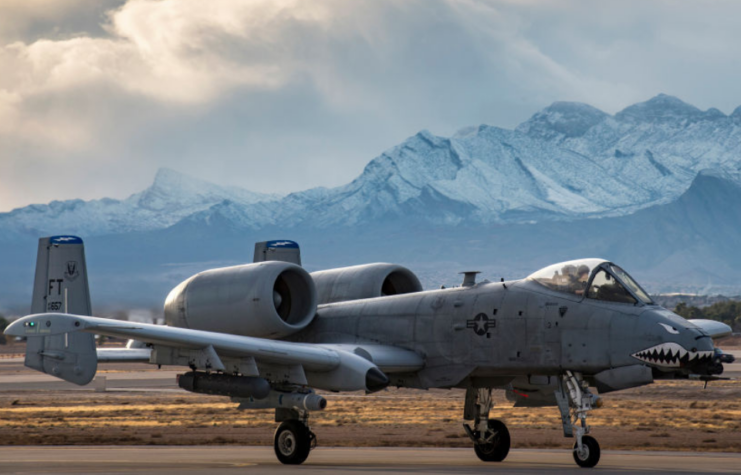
<point x="575" y="401"/>
<point x="588" y="455"/>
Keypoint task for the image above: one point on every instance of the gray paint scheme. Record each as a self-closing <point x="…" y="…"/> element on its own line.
<point x="529" y="329"/>
<point x="263" y="320"/>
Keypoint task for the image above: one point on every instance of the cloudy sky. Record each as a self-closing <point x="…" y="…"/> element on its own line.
<point x="283" y="95"/>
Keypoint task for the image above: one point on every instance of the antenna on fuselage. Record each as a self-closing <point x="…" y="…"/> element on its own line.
<point x="469" y="278"/>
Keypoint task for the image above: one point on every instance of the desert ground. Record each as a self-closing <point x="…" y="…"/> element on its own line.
<point x="673" y="415"/>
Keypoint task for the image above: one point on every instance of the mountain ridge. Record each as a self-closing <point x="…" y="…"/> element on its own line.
<point x="568" y="161"/>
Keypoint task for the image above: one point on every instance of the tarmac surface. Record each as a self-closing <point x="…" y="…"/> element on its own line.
<point x="368" y="461"/>
<point x="135" y="376"/>
<point x="257" y="460"/>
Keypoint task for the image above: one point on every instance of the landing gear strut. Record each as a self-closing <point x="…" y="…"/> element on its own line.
<point x="490" y="436"/>
<point x="294" y="440"/>
<point x="575" y="401"/>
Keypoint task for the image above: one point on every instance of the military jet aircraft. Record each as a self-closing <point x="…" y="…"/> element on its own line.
<point x="268" y="334"/>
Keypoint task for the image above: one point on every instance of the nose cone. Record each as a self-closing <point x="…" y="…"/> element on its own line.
<point x="674" y="344"/>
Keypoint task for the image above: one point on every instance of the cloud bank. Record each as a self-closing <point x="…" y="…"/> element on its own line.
<point x="282" y="95"/>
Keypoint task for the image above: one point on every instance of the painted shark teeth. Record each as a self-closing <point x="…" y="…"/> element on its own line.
<point x="671" y="355"/>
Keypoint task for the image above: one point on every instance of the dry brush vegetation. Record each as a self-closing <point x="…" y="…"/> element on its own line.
<point x="666" y="415"/>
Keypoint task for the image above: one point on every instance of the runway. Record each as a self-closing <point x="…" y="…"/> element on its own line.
<point x="111" y="376"/>
<point x="368" y="461"/>
<point x="249" y="459"/>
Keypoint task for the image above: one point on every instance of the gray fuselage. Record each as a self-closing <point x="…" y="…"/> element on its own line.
<point x="496" y="331"/>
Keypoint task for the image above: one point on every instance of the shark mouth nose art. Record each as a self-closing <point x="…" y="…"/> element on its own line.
<point x="672" y="355"/>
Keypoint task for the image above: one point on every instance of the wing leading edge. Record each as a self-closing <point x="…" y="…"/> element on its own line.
<point x="331" y="367"/>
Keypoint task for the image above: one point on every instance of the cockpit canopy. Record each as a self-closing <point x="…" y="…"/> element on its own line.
<point x="596" y="279"/>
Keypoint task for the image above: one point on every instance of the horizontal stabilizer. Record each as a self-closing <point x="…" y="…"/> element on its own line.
<point x="69" y="356"/>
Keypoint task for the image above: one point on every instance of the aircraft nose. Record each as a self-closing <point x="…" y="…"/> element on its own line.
<point x="677" y="345"/>
<point x="704" y="357"/>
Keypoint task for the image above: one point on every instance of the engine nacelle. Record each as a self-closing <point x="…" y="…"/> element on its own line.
<point x="363" y="282"/>
<point x="267" y="300"/>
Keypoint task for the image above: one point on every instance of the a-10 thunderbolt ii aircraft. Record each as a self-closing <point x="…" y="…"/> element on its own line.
<point x="268" y="334"/>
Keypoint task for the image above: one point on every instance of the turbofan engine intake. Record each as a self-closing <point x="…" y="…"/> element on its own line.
<point x="267" y="300"/>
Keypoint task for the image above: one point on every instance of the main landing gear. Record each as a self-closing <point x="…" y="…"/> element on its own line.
<point x="490" y="436"/>
<point x="293" y="438"/>
<point x="575" y="401"/>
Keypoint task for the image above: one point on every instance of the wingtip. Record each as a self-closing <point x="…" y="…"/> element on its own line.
<point x="16" y="328"/>
<point x="45" y="324"/>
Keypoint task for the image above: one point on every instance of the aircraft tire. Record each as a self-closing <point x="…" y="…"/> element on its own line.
<point x="498" y="449"/>
<point x="590" y="456"/>
<point x="292" y="442"/>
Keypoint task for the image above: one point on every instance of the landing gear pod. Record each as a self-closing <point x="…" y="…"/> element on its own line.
<point x="266" y="300"/>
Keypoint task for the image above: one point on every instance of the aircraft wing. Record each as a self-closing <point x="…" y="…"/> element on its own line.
<point x="332" y="367"/>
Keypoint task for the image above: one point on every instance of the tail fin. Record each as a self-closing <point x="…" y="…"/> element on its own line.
<point x="61" y="277"/>
<point x="281" y="250"/>
<point x="61" y="285"/>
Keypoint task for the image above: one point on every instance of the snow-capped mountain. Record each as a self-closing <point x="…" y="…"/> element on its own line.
<point x="569" y="161"/>
<point x="172" y="197"/>
<point x="659" y="145"/>
<point x="481" y="175"/>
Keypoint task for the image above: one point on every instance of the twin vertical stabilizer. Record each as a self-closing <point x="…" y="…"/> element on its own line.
<point x="61" y="277"/>
<point x="278" y="250"/>
<point x="61" y="286"/>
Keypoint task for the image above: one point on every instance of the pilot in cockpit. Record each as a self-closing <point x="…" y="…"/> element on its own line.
<point x="582" y="276"/>
<point x="573" y="279"/>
